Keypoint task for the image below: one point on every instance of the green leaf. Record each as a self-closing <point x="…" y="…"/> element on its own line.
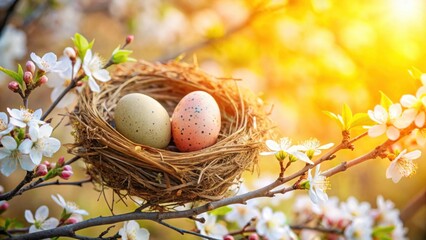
<point x="385" y="101"/>
<point x="346" y="116"/>
<point x="361" y="119"/>
<point x="221" y="211"/>
<point x="20" y="71"/>
<point x="82" y="44"/>
<point x="335" y="117"/>
<point x="121" y="55"/>
<point x="383" y="232"/>
<point x="16" y="76"/>
<point x="415" y="73"/>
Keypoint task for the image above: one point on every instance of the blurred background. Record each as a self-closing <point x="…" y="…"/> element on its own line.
<point x="301" y="56"/>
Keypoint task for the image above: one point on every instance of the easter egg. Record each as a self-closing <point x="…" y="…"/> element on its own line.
<point x="143" y="120"/>
<point x="196" y="122"/>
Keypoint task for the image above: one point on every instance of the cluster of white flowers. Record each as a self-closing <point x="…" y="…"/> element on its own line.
<point x="357" y="220"/>
<point x="17" y="147"/>
<point x="391" y="119"/>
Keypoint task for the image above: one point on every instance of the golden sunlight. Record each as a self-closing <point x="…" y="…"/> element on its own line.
<point x="407" y="10"/>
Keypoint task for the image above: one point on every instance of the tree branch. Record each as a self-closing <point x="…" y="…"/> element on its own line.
<point x="413" y="206"/>
<point x="8" y="15"/>
<point x="9" y="195"/>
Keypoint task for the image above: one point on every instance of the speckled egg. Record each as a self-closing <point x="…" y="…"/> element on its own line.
<point x="142" y="119"/>
<point x="196" y="122"/>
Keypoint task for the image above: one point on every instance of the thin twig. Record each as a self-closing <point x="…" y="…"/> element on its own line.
<point x="72" y="85"/>
<point x="9" y="195"/>
<point x="72" y="160"/>
<point x="9" y="14"/>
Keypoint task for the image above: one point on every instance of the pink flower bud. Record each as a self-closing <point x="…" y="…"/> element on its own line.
<point x="30" y="67"/>
<point x="28" y="77"/>
<point x="129" y="39"/>
<point x="228" y="237"/>
<point x="253" y="236"/>
<point x="66" y="174"/>
<point x="52" y="165"/>
<point x="79" y="84"/>
<point x="67" y="168"/>
<point x="61" y="161"/>
<point x="47" y="163"/>
<point x="13" y="86"/>
<point x="41" y="170"/>
<point x="70" y="52"/>
<point x="43" y="80"/>
<point x="71" y="220"/>
<point x="3" y="206"/>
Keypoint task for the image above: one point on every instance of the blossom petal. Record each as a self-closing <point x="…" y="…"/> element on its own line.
<point x="42" y="213"/>
<point x="408" y="100"/>
<point x="3" y="117"/>
<point x="34" y="132"/>
<point x="52" y="145"/>
<point x="36" y="156"/>
<point x="302" y="157"/>
<point x="272" y="145"/>
<point x="413" y="155"/>
<point x="25" y="146"/>
<point x="45" y="131"/>
<point x="313" y="196"/>
<point x="17" y="123"/>
<point x="59" y="200"/>
<point x="50" y="58"/>
<point x="377" y="130"/>
<point x="26" y="163"/>
<point x="87" y="58"/>
<point x="102" y="75"/>
<point x="392" y="170"/>
<point x="406" y="118"/>
<point x="395" y="110"/>
<point x="93" y="85"/>
<point x="50" y="223"/>
<point x="326" y="146"/>
<point x="33" y="228"/>
<point x="4" y="153"/>
<point x="9" y="143"/>
<point x="8" y="166"/>
<point x="420" y="119"/>
<point x="37" y="114"/>
<point x="392" y="133"/>
<point x="37" y="60"/>
<point x="29" y="216"/>
<point x="142" y="234"/>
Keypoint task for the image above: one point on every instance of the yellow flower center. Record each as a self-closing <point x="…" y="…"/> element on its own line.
<point x="3" y="125"/>
<point x="406" y="167"/>
<point x="322" y="183"/>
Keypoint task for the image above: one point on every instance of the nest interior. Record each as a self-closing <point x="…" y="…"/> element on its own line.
<point x="166" y="176"/>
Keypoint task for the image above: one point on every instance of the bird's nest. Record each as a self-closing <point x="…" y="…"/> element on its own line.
<point x="164" y="177"/>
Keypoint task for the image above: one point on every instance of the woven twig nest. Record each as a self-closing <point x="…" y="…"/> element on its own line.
<point x="166" y="176"/>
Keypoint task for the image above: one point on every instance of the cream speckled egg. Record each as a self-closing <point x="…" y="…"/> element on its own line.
<point x="196" y="122"/>
<point x="143" y="120"/>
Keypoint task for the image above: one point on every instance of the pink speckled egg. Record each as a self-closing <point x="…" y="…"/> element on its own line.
<point x="195" y="122"/>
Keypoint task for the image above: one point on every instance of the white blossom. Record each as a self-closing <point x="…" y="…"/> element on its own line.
<point x="92" y="66"/>
<point x="11" y="155"/>
<point x="389" y="122"/>
<point x="132" y="231"/>
<point x="402" y="165"/>
<point x="242" y="214"/>
<point x="23" y="117"/>
<point x="69" y="207"/>
<point x="317" y="186"/>
<point x="354" y="209"/>
<point x="271" y="225"/>
<point x="361" y="228"/>
<point x="285" y="148"/>
<point x="40" y="220"/>
<point x="312" y="147"/>
<point x="62" y="80"/>
<point x="210" y="227"/>
<point x="40" y="144"/>
<point x="5" y="126"/>
<point x="49" y="63"/>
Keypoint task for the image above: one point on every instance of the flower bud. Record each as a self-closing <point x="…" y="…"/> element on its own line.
<point x="67" y="168"/>
<point x="47" y="163"/>
<point x="228" y="237"/>
<point x="30" y="67"/>
<point x="129" y="39"/>
<point x="43" y="79"/>
<point x="70" y="52"/>
<point x="3" y="206"/>
<point x="253" y="236"/>
<point x="13" y="86"/>
<point x="71" y="220"/>
<point x="66" y="174"/>
<point x="52" y="165"/>
<point x="28" y="77"/>
<point x="79" y="84"/>
<point x="1" y="189"/>
<point x="61" y="161"/>
<point x="41" y="170"/>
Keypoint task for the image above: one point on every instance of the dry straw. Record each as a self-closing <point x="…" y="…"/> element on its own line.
<point x="165" y="177"/>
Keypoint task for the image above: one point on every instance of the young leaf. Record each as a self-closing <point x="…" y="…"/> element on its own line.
<point x="82" y="44"/>
<point x="347" y="116"/>
<point x="16" y="76"/>
<point x="385" y="101"/>
<point x="221" y="211"/>
<point x="361" y="119"/>
<point x="415" y="73"/>
<point x="338" y="118"/>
